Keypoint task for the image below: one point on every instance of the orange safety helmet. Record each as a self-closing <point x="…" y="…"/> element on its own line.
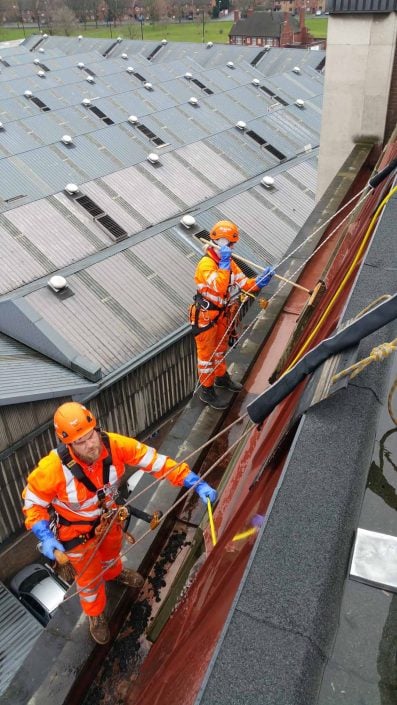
<point x="72" y="421"/>
<point x="226" y="229"/>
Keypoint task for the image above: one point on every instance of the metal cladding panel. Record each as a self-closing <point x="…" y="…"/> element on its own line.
<point x="18" y="632"/>
<point x="289" y="200"/>
<point x="181" y="182"/>
<point x="91" y="157"/>
<point x="70" y="121"/>
<point x="278" y="60"/>
<point x="292" y="123"/>
<point x="242" y="103"/>
<point x="180" y="90"/>
<point x="19" y="266"/>
<point x="15" y="182"/>
<point x="211" y="165"/>
<point x="49" y="174"/>
<point x="147" y="198"/>
<point x="311" y="117"/>
<point x="181" y="125"/>
<point x="291" y="86"/>
<point x="243" y="152"/>
<point x="15" y="139"/>
<point x="26" y="373"/>
<point x="306" y="173"/>
<point x="16" y="108"/>
<point x="53" y="236"/>
<point x="121" y="142"/>
<point x="133" y="102"/>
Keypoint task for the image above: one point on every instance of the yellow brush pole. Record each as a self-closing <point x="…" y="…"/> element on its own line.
<point x="259" y="267"/>
<point x="244" y="534"/>
<point x="212" y="525"/>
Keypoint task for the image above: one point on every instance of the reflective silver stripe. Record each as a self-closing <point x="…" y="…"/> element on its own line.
<point x="70" y="485"/>
<point x="212" y="277"/>
<point x="205" y="363"/>
<point x="113" y="479"/>
<point x="159" y="463"/>
<point x="31" y="499"/>
<point x="88" y="598"/>
<point x="147" y="458"/>
<point x="76" y="510"/>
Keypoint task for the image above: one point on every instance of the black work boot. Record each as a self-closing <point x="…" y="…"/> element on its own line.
<point x="208" y="396"/>
<point x="99" y="629"/>
<point x="129" y="577"/>
<point x="227" y="383"/>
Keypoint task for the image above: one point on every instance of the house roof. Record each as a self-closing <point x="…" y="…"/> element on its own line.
<point x="136" y="288"/>
<point x="263" y="24"/>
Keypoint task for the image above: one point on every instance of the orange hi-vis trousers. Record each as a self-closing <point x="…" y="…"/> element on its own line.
<point x="211" y="346"/>
<point x="93" y="595"/>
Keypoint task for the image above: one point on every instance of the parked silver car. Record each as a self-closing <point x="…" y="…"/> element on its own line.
<point x="39" y="589"/>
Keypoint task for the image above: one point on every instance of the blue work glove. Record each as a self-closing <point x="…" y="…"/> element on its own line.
<point x="203" y="490"/>
<point x="225" y="255"/>
<point x="264" y="278"/>
<point x="42" y="530"/>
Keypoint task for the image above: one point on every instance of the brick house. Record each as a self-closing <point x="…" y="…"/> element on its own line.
<point x="277" y="29"/>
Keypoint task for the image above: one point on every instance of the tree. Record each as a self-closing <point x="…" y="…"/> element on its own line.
<point x="64" y="20"/>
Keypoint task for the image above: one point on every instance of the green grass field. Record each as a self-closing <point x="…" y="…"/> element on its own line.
<point x="214" y="30"/>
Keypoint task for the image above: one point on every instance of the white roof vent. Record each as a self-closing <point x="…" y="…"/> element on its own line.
<point x="80" y="37"/>
<point x="41" y="74"/>
<point x="66" y="139"/>
<point x="268" y="182"/>
<point x="300" y="103"/>
<point x="296" y="69"/>
<point x="80" y="65"/>
<point x="45" y="36"/>
<point x="148" y="86"/>
<point x="36" y="61"/>
<point x="267" y="47"/>
<point x="209" y="45"/>
<point x="188" y="75"/>
<point x="57" y="283"/>
<point x="153" y="158"/>
<point x="124" y="56"/>
<point x="188" y="221"/>
<point x="255" y="82"/>
<point x="230" y="65"/>
<point x="164" y="41"/>
<point x="90" y="79"/>
<point x="2" y="126"/>
<point x="241" y="125"/>
<point x="86" y="102"/>
<point x="130" y="69"/>
<point x="41" y="50"/>
<point x="193" y="101"/>
<point x="133" y="119"/>
<point x="71" y="189"/>
<point x="28" y="94"/>
<point x="119" y="39"/>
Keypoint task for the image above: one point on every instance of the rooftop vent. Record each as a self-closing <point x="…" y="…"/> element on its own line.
<point x="80" y="37"/>
<point x="28" y="94"/>
<point x="268" y="182"/>
<point x="124" y="56"/>
<point x="130" y="69"/>
<point x="36" y="61"/>
<point x="148" y="86"/>
<point x="2" y="126"/>
<point x="86" y="102"/>
<point x="57" y="283"/>
<point x="164" y="41"/>
<point x="241" y="125"/>
<point x="188" y="75"/>
<point x="230" y="65"/>
<point x="296" y="69"/>
<point x="188" y="221"/>
<point x="193" y="101"/>
<point x="41" y="50"/>
<point x="45" y="36"/>
<point x="153" y="158"/>
<point x="80" y="65"/>
<point x="255" y="82"/>
<point x="41" y="74"/>
<point x="71" y="189"/>
<point x="66" y="139"/>
<point x="300" y="103"/>
<point x="90" y="79"/>
<point x="267" y="47"/>
<point x="119" y="39"/>
<point x="133" y="119"/>
<point x="209" y="45"/>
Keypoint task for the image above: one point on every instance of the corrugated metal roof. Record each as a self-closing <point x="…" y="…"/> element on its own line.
<point x="136" y="291"/>
<point x="18" y="633"/>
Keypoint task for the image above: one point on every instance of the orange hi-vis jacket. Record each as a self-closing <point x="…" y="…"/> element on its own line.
<point x="217" y="286"/>
<point x="52" y="483"/>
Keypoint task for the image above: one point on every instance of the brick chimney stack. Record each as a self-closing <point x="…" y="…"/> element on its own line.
<point x="236" y="15"/>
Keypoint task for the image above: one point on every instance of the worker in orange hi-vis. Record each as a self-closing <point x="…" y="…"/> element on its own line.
<point x="79" y="480"/>
<point x="219" y="282"/>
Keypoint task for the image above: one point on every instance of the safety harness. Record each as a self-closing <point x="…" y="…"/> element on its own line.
<point x="202" y="304"/>
<point x="78" y="472"/>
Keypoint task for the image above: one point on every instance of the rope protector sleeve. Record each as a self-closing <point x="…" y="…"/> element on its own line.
<point x="378" y="178"/>
<point x="376" y="318"/>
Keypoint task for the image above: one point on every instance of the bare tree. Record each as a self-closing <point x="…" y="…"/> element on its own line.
<point x="64" y="20"/>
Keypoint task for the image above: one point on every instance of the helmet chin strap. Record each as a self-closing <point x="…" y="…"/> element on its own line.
<point x="222" y="241"/>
